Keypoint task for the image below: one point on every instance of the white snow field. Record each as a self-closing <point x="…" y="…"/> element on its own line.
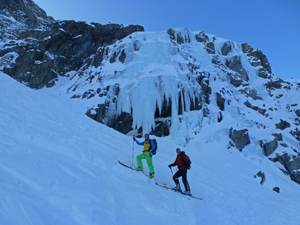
<point x="59" y="167"/>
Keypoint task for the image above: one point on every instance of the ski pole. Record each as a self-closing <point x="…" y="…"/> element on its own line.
<point x="171" y="171"/>
<point x="132" y="152"/>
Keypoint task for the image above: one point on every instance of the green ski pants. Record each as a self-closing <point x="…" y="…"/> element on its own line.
<point x="145" y="155"/>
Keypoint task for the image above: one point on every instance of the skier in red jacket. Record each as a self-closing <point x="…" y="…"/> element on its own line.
<point x="181" y="162"/>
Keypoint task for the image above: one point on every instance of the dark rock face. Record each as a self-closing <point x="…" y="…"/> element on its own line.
<point x="262" y="176"/>
<point x="297" y="112"/>
<point x="202" y="37"/>
<point x="63" y="47"/>
<point x="121" y="123"/>
<point x="178" y="37"/>
<point x="235" y="64"/>
<point x="204" y="83"/>
<point x="260" y="59"/>
<point x="240" y="138"/>
<point x="276" y="189"/>
<point x="162" y="128"/>
<point x="33" y="68"/>
<point x="166" y="109"/>
<point x="282" y="125"/>
<point x="235" y="79"/>
<point x="278" y="136"/>
<point x="51" y="48"/>
<point x="296" y="134"/>
<point x="220" y="117"/>
<point x="291" y="164"/>
<point x="272" y="85"/>
<point x="268" y="146"/>
<point x="250" y="92"/>
<point x="249" y="105"/>
<point x="26" y="12"/>
<point x="220" y="101"/>
<point x="226" y="48"/>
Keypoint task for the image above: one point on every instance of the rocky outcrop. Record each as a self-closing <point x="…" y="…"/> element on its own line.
<point x="204" y="83"/>
<point x="282" y="125"/>
<point x="121" y="123"/>
<point x="62" y="48"/>
<point x="273" y="85"/>
<point x="220" y="101"/>
<point x="209" y="45"/>
<point x="296" y="133"/>
<point x="24" y="13"/>
<point x="162" y="127"/>
<point x="226" y="48"/>
<point x="256" y="108"/>
<point x="291" y="164"/>
<point x="278" y="136"/>
<point x="178" y="37"/>
<point x="262" y="176"/>
<point x="235" y="64"/>
<point x="268" y="147"/>
<point x="297" y="112"/>
<point x="240" y="138"/>
<point x="251" y="92"/>
<point x="258" y="59"/>
<point x="276" y="189"/>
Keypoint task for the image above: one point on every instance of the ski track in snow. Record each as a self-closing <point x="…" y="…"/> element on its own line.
<point x="58" y="166"/>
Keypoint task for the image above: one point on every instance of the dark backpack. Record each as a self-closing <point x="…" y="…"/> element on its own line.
<point x="188" y="164"/>
<point x="154" y="150"/>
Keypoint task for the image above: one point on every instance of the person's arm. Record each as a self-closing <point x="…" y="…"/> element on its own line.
<point x="152" y="145"/>
<point x="139" y="143"/>
<point x="173" y="164"/>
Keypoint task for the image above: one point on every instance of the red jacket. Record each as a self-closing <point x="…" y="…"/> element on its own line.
<point x="178" y="161"/>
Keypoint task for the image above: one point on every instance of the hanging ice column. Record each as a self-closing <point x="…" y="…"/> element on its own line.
<point x="142" y="100"/>
<point x="144" y="97"/>
<point x="159" y="73"/>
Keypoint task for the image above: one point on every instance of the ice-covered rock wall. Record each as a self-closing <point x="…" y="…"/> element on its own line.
<point x="164" y="75"/>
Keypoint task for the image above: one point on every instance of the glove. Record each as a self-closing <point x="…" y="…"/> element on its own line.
<point x="170" y="166"/>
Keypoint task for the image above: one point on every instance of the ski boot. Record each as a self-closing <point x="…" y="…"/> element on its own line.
<point x="177" y="188"/>
<point x="187" y="192"/>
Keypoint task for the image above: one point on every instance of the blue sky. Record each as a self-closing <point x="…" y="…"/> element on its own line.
<point x="273" y="26"/>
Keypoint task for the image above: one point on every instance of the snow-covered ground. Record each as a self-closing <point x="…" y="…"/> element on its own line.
<point x="60" y="167"/>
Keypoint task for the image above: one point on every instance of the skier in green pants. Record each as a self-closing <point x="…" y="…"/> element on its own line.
<point x="147" y="154"/>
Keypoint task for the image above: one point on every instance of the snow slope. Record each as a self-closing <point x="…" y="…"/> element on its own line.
<point x="58" y="166"/>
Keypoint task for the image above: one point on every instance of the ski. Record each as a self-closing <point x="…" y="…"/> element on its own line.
<point x="126" y="165"/>
<point x="130" y="167"/>
<point x="180" y="192"/>
<point x="159" y="184"/>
